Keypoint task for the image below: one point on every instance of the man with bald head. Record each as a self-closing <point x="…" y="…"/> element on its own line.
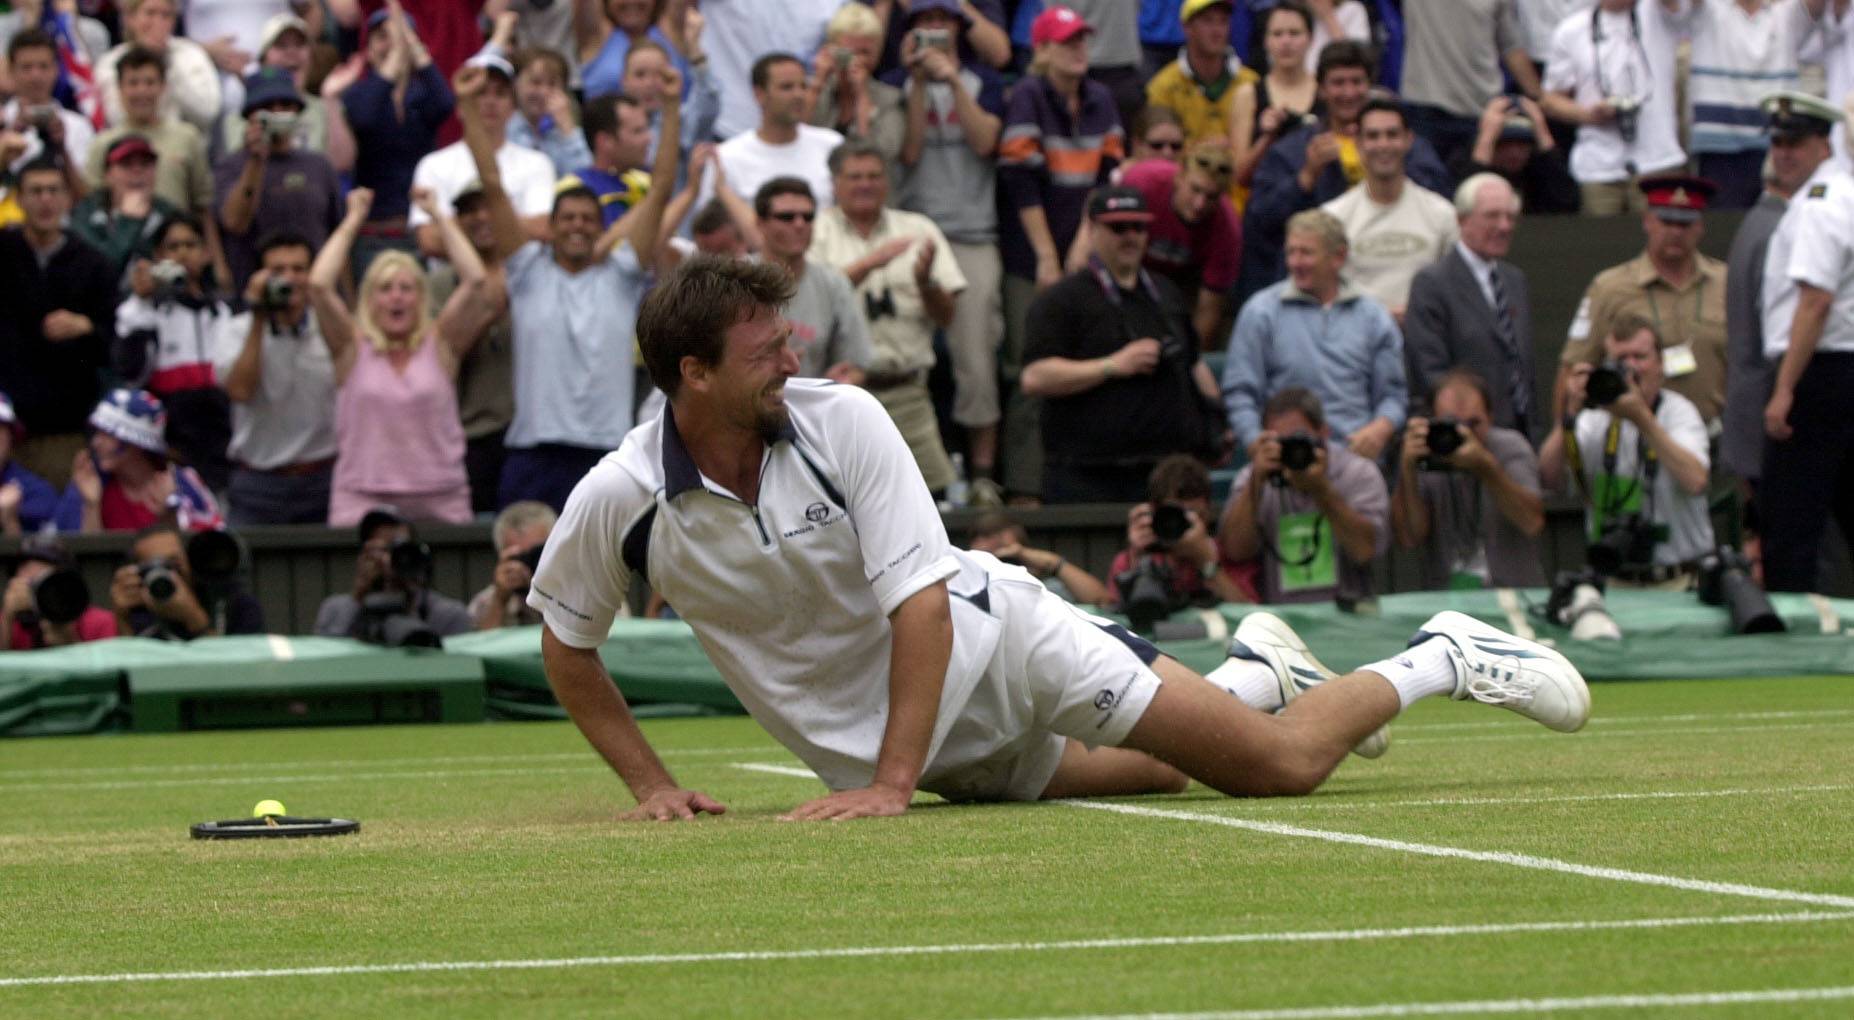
<point x="1471" y="310"/>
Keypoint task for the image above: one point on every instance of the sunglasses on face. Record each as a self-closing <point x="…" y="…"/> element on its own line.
<point x="1166" y="145"/>
<point x="1126" y="228"/>
<point x="794" y="217"/>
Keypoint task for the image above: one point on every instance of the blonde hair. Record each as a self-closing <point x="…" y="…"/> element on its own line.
<point x="1320" y="224"/>
<point x="386" y="265"/>
<point x="852" y="19"/>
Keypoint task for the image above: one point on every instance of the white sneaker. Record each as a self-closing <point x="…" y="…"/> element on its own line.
<point x="1496" y="668"/>
<point x="1267" y="639"/>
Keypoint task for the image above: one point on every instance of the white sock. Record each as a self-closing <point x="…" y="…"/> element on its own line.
<point x="1419" y="672"/>
<point x="1253" y="683"/>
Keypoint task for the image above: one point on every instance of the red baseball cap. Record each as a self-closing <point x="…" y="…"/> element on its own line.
<point x="1057" y="24"/>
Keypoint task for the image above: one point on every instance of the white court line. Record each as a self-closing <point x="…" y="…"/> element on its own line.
<point x="777" y="770"/>
<point x="333" y="763"/>
<point x="1484" y="856"/>
<point x="1569" y="798"/>
<point x="1394" y="1009"/>
<point x="946" y="949"/>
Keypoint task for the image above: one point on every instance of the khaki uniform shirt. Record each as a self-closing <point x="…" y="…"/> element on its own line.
<point x="1691" y="320"/>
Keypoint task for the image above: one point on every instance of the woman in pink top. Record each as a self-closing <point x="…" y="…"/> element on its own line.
<point x="398" y="438"/>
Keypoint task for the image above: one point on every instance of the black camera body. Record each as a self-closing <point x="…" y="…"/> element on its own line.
<point x="410" y="560"/>
<point x="1146" y="593"/>
<point x="1606" y="385"/>
<point x="1299" y="451"/>
<point x="1725" y="580"/>
<point x="389" y="619"/>
<point x="170" y="280"/>
<point x="1170" y="521"/>
<point x="59" y="597"/>
<point x="1624" y="542"/>
<point x="1445" y="437"/>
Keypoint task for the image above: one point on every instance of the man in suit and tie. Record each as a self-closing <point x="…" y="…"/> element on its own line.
<point x="1470" y="309"/>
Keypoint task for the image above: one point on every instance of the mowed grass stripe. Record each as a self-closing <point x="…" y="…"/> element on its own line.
<point x="462" y="759"/>
<point x="1483" y="856"/>
<point x="949" y="949"/>
<point x="1528" y="734"/>
<point x="1765" y="996"/>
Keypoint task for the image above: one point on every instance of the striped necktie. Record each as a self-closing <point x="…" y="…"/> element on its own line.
<point x="1519" y="387"/>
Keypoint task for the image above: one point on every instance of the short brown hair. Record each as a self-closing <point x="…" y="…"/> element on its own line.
<point x="542" y="55"/>
<point x="689" y="314"/>
<point x="1179" y="476"/>
<point x="1628" y="325"/>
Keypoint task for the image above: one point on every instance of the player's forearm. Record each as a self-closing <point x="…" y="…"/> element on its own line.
<point x="582" y="687"/>
<point x="922" y="629"/>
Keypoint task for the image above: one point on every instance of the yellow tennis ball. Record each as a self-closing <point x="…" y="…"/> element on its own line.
<point x="268" y="807"/>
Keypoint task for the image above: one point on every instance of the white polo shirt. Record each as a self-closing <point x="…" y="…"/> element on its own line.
<point x="1812" y="245"/>
<point x="527" y="175"/>
<point x="789" y="598"/>
<point x="1627" y="53"/>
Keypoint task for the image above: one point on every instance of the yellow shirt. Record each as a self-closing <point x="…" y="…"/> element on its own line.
<point x="1203" y="109"/>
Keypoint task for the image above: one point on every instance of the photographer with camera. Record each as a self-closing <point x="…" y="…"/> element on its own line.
<point x="34" y="111"/>
<point x="1171" y="558"/>
<point x="1315" y="513"/>
<point x="392" y="602"/>
<point x="278" y="373"/>
<point x="164" y="340"/>
<point x="1638" y="455"/>
<point x="47" y="604"/>
<point x="176" y="591"/>
<point x="1612" y="73"/>
<point x="521" y="529"/>
<point x="272" y="184"/>
<point x="1453" y="466"/>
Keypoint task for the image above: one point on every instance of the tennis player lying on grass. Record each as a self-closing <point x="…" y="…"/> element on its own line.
<point x="786" y="522"/>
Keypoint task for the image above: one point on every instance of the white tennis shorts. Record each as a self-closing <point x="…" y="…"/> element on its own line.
<point x="1057" y="673"/>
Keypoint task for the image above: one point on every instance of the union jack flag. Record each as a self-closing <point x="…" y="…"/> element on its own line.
<point x="77" y="80"/>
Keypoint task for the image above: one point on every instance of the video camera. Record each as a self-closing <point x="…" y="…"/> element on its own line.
<point x="1299" y="450"/>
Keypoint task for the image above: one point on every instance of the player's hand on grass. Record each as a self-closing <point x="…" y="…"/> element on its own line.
<point x="673" y="805"/>
<point x="867" y="802"/>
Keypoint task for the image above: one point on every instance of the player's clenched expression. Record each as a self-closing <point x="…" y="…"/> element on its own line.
<point x="750" y="378"/>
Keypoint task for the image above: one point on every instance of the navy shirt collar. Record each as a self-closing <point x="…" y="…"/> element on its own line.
<point x="680" y="474"/>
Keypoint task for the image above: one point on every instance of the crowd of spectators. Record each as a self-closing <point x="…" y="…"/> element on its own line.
<point x="291" y="261"/>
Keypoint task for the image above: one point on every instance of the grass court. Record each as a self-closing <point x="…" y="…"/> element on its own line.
<point x="1688" y="853"/>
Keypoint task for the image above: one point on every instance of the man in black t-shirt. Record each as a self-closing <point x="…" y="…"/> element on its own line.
<point x="1112" y="351"/>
